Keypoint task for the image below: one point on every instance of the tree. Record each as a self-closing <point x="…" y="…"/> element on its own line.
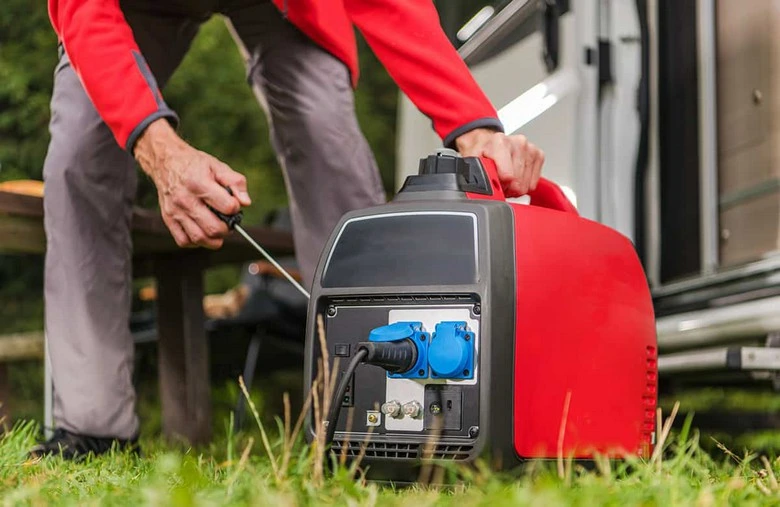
<point x="28" y="53"/>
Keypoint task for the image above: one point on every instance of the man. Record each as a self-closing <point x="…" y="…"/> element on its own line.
<point x="107" y="109"/>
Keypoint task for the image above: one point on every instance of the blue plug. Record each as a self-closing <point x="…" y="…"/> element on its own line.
<point x="400" y="331"/>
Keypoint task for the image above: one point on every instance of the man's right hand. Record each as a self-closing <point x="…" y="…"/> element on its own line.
<point x="188" y="181"/>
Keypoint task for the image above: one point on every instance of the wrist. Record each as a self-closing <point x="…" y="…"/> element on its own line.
<point x="468" y="142"/>
<point x="154" y="145"/>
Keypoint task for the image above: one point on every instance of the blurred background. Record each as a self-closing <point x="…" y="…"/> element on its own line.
<point x="219" y="115"/>
<point x="659" y="118"/>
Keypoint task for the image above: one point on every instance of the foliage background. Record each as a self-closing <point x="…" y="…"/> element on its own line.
<point x="219" y="115"/>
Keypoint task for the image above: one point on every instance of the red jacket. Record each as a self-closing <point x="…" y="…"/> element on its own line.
<point x="405" y="35"/>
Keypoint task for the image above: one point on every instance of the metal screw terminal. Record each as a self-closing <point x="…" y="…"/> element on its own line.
<point x="392" y="408"/>
<point x="372" y="418"/>
<point x="412" y="409"/>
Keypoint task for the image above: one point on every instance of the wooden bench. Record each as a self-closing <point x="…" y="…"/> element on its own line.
<point x="182" y="345"/>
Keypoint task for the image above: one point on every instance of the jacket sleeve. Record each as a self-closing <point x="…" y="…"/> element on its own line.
<point x="407" y="37"/>
<point x="105" y="56"/>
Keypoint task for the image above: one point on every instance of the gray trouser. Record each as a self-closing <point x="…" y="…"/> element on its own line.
<point x="91" y="183"/>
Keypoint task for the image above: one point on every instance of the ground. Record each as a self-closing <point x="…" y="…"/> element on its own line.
<point x="238" y="469"/>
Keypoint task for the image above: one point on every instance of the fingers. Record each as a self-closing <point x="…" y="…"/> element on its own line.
<point x="190" y="181"/>
<point x="215" y="195"/>
<point x="196" y="235"/>
<point x="514" y="190"/>
<point x="209" y="189"/>
<point x="233" y="180"/>
<point x="518" y="162"/>
<point x="177" y="232"/>
<point x="212" y="227"/>
<point x="499" y="150"/>
<point x="202" y="226"/>
<point x="536" y="169"/>
<point x="521" y="166"/>
<point x="510" y="155"/>
<point x="191" y="223"/>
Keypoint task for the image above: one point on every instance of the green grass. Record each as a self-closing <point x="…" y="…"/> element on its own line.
<point x="736" y="400"/>
<point x="239" y="470"/>
<point x="761" y="398"/>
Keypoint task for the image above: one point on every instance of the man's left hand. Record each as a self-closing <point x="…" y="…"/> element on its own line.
<point x="519" y="162"/>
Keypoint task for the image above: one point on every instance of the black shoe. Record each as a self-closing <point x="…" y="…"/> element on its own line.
<point x="72" y="446"/>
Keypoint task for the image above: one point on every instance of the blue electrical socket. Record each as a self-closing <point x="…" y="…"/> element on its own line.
<point x="400" y="331"/>
<point x="451" y="351"/>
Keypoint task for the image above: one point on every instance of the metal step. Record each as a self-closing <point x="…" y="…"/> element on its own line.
<point x="734" y="358"/>
<point x="701" y="328"/>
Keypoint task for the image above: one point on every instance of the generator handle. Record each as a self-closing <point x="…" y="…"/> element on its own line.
<point x="546" y="194"/>
<point x="549" y="195"/>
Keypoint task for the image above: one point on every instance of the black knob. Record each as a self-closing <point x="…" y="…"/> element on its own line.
<point x="448" y="171"/>
<point x="443" y="162"/>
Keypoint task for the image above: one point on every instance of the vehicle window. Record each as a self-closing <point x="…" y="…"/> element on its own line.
<point x="462" y="18"/>
<point x="481" y="29"/>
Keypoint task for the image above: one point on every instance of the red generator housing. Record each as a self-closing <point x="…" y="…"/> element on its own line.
<point x="533" y="327"/>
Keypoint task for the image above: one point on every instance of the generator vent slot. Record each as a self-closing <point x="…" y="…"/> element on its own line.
<point x="649" y="400"/>
<point x="407" y="298"/>
<point x="403" y="450"/>
<point x="377" y="449"/>
<point x="451" y="452"/>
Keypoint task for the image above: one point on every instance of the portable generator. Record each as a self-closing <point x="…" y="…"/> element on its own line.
<point x="464" y="325"/>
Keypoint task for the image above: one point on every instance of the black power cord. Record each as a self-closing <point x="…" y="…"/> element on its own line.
<point x="338" y="395"/>
<point x="393" y="356"/>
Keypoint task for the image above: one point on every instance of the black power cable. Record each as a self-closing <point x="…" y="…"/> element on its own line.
<point x="395" y="356"/>
<point x="392" y="356"/>
<point x="338" y="395"/>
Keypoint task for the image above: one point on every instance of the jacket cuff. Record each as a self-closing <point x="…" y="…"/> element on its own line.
<point x="166" y="113"/>
<point x="482" y="123"/>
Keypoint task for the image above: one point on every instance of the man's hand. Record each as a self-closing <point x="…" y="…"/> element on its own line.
<point x="187" y="181"/>
<point x="519" y="163"/>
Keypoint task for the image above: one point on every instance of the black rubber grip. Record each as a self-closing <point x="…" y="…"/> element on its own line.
<point x="231" y="220"/>
<point x="395" y="356"/>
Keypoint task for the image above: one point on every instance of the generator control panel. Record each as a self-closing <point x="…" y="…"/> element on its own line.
<point x="439" y="393"/>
